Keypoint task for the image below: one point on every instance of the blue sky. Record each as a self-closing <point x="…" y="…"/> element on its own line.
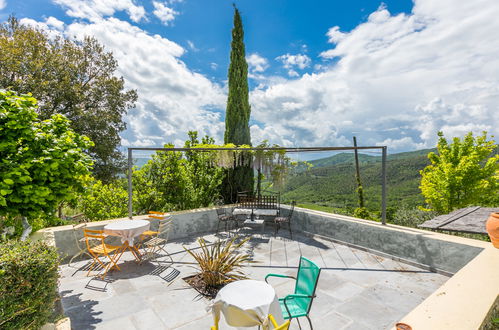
<point x="391" y="73"/>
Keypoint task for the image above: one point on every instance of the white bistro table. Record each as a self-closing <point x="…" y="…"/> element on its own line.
<point x="247" y="303"/>
<point x="128" y="230"/>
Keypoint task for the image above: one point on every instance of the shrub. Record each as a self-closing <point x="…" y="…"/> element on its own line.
<point x="411" y="217"/>
<point x="104" y="201"/>
<point x="28" y="284"/>
<point x="362" y="213"/>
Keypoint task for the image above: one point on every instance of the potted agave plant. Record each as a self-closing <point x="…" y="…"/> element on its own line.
<point x="218" y="264"/>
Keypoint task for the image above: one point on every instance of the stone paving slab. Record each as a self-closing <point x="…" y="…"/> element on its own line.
<point x="356" y="290"/>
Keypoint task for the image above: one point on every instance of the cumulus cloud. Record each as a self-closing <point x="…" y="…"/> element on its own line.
<point x="165" y="14"/>
<point x="52" y="26"/>
<point x="257" y="63"/>
<point x="3" y="4"/>
<point x="397" y="79"/>
<point x="290" y="62"/>
<point x="172" y="98"/>
<point x="96" y="9"/>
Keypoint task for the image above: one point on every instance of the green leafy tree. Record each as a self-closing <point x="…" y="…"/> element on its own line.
<point x="462" y="173"/>
<point x="42" y="163"/>
<point x="239" y="178"/>
<point x="172" y="181"/>
<point x="73" y="78"/>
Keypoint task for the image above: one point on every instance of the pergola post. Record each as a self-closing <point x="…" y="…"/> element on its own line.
<point x="130" y="183"/>
<point x="383" y="186"/>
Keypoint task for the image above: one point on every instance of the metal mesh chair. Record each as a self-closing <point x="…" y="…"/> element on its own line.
<point x="299" y="303"/>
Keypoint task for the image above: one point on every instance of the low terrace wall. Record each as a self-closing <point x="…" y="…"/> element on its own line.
<point x="437" y="252"/>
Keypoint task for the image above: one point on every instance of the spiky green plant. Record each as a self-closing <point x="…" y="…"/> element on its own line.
<point x="220" y="263"/>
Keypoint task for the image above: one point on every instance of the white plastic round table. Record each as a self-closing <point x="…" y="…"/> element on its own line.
<point x="247" y="303"/>
<point x="127" y="229"/>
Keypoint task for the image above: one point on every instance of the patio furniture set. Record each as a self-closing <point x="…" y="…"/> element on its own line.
<point x="135" y="235"/>
<point x="247" y="303"/>
<point x="243" y="303"/>
<point x="253" y="207"/>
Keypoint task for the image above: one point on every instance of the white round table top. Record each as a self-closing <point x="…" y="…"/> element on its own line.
<point x="127" y="225"/>
<point x="247" y="294"/>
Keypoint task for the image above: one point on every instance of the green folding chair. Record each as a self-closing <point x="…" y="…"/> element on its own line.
<point x="299" y="303"/>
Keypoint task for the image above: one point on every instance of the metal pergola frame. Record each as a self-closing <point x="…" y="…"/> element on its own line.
<point x="287" y="150"/>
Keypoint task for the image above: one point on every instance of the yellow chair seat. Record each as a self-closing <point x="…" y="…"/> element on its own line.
<point x="155" y="241"/>
<point x="150" y="233"/>
<point x="99" y="249"/>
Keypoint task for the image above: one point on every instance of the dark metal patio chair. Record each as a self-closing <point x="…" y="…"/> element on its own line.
<point x="279" y="221"/>
<point x="224" y="218"/>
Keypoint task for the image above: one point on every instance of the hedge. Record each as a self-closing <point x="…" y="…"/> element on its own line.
<point x="28" y="284"/>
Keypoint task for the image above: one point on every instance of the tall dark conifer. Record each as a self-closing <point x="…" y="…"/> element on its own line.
<point x="238" y="109"/>
<point x="238" y="114"/>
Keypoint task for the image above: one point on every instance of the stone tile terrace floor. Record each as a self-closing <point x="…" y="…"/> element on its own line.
<point x="356" y="290"/>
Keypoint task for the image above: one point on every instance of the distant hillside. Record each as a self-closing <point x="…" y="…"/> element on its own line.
<point x="331" y="181"/>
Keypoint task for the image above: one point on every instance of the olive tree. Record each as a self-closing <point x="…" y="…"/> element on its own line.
<point x="42" y="162"/>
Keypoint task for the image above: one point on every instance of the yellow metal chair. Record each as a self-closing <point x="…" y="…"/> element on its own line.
<point x="112" y="252"/>
<point x="154" y="215"/>
<point x="158" y="239"/>
<point x="284" y="326"/>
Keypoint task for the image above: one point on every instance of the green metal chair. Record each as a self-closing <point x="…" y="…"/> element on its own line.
<point x="299" y="303"/>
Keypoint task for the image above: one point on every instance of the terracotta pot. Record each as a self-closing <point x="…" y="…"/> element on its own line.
<point x="493" y="228"/>
<point x="403" y="326"/>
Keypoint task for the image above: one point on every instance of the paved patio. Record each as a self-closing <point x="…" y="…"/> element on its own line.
<point x="356" y="290"/>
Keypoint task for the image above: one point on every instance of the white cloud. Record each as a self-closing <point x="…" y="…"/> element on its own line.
<point x="290" y="62"/>
<point x="172" y="98"/>
<point x="335" y="35"/>
<point x="55" y="23"/>
<point x="163" y="12"/>
<point x="257" y="63"/>
<point x="3" y="4"/>
<point x="52" y="26"/>
<point x="299" y="60"/>
<point x="96" y="9"/>
<point x="192" y="46"/>
<point x="398" y="78"/>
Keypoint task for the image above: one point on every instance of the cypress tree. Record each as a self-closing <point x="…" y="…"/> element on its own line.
<point x="238" y="109"/>
<point x="237" y="115"/>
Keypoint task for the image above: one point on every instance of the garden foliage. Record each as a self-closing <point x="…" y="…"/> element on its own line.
<point x="462" y="173"/>
<point x="172" y="181"/>
<point x="104" y="201"/>
<point x="28" y="284"/>
<point x="42" y="163"/>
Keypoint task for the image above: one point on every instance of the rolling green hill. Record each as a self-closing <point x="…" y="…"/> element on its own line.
<point x="331" y="181"/>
